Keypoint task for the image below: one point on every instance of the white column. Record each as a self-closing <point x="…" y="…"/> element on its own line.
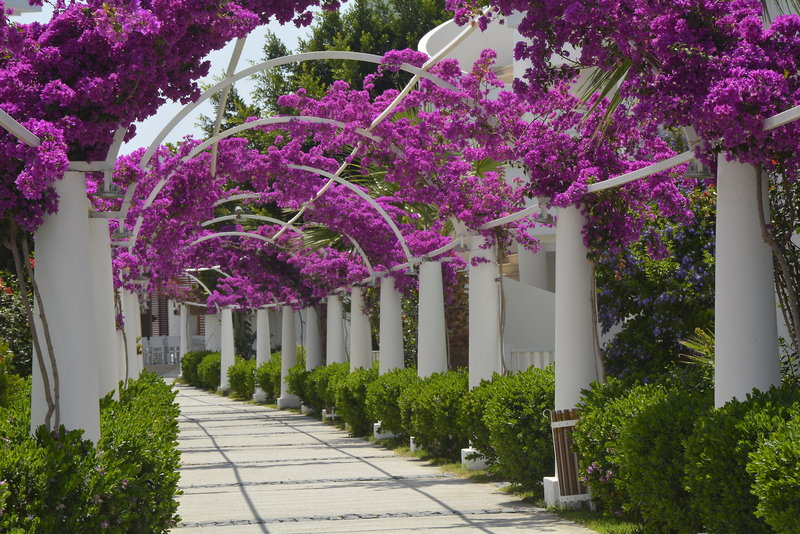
<point x="105" y="330"/>
<point x="288" y="358"/>
<point x="313" y="341"/>
<point x="213" y="328"/>
<point x="262" y="347"/>
<point x="574" y="336"/>
<point x="360" y="338"/>
<point x="226" y="347"/>
<point x="432" y="337"/>
<point x="484" y="313"/>
<point x="334" y="348"/>
<point x="532" y="267"/>
<point x="391" y="327"/>
<point x="184" y="333"/>
<point x="745" y="327"/>
<point x="63" y="264"/>
<point x="130" y="303"/>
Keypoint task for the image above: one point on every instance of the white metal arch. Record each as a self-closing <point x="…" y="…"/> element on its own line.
<point x="288" y="226"/>
<point x="368" y="199"/>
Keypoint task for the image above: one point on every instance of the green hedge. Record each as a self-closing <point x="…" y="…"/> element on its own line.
<point x="297" y="379"/>
<point x="651" y="454"/>
<point x="718" y="452"/>
<point x="189" y="364"/>
<point x="208" y="371"/>
<point x="268" y="377"/>
<point x="519" y="429"/>
<point x="775" y="468"/>
<point x="433" y="413"/>
<point x="321" y="384"/>
<point x="472" y="417"/>
<point x="383" y="396"/>
<point x="242" y="378"/>
<point x="351" y="396"/>
<point x="58" y="482"/>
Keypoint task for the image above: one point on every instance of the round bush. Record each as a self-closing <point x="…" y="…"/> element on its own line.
<point x="351" y="394"/>
<point x="208" y="372"/>
<point x="242" y="378"/>
<point x="472" y="417"/>
<point x="383" y="396"/>
<point x="268" y="377"/>
<point x="297" y="377"/>
<point x="717" y="454"/>
<point x="519" y="430"/>
<point x="775" y="466"/>
<point x="651" y="452"/>
<point x="321" y="384"/>
<point x="434" y="407"/>
<point x="189" y="364"/>
<point x="603" y="412"/>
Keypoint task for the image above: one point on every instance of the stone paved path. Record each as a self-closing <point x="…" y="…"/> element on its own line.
<point x="248" y="469"/>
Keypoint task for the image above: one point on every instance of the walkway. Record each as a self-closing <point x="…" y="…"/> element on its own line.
<point x="248" y="469"/>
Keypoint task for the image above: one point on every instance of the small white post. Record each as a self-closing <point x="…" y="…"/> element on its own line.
<point x="288" y="358"/>
<point x="226" y="348"/>
<point x="485" y="350"/>
<point x="745" y="326"/>
<point x="432" y="338"/>
<point x="105" y="328"/>
<point x="262" y="347"/>
<point x="313" y="341"/>
<point x="63" y="264"/>
<point x="391" y="327"/>
<point x="360" y="337"/>
<point x="335" y="342"/>
<point x="574" y="336"/>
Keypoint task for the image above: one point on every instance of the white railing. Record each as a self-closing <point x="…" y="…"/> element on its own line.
<point x="161" y="350"/>
<point x="517" y="360"/>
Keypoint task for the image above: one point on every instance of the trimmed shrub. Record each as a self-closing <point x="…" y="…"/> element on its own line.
<point x="651" y="452"/>
<point x="189" y="364"/>
<point x="519" y="430"/>
<point x="242" y="378"/>
<point x="775" y="467"/>
<point x="268" y="377"/>
<point x="321" y="384"/>
<point x="472" y="417"/>
<point x="208" y="372"/>
<point x="297" y="378"/>
<point x="58" y="482"/>
<point x="383" y="396"/>
<point x="602" y="415"/>
<point x="434" y="408"/>
<point x="717" y="454"/>
<point x="351" y="396"/>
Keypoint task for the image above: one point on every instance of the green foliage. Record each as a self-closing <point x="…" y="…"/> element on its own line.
<point x="189" y="364"/>
<point x="208" y="371"/>
<point x="243" y="334"/>
<point x="602" y="415"/>
<point x="383" y="396"/>
<point x="58" y="482"/>
<point x="717" y="454"/>
<point x="268" y="377"/>
<point x="14" y="329"/>
<point x="472" y="417"/>
<point x="651" y="452"/>
<point x="775" y="467"/>
<point x="321" y="384"/>
<point x="297" y="378"/>
<point x="351" y="394"/>
<point x="242" y="378"/>
<point x="434" y="407"/>
<point x="519" y="429"/>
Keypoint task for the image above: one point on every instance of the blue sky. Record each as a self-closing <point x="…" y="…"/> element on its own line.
<point x="148" y="129"/>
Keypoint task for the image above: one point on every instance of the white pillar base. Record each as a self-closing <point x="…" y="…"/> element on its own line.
<point x="259" y="396"/>
<point x="412" y="444"/>
<point x="475" y="464"/>
<point x="378" y="433"/>
<point x="288" y="400"/>
<point x="305" y="410"/>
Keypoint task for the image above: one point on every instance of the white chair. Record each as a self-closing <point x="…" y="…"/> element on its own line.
<point x="172" y="349"/>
